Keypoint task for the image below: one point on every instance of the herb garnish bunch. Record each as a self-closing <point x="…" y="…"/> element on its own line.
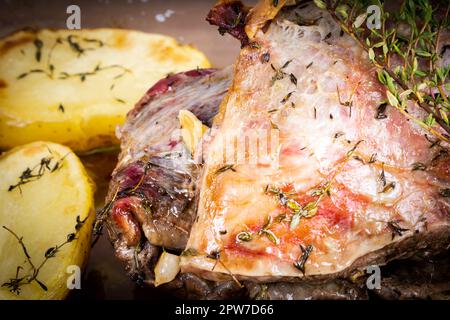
<point x="407" y="51"/>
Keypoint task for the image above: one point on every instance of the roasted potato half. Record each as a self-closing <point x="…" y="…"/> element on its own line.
<point x="46" y="215"/>
<point x="75" y="87"/>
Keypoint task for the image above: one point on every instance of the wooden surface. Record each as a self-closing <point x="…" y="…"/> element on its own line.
<point x="104" y="277"/>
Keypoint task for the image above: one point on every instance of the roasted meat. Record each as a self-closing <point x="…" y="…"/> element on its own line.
<point x="336" y="190"/>
<point x="149" y="204"/>
<point x="302" y="184"/>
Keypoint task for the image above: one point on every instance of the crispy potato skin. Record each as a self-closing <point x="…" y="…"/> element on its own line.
<point x="75" y="87"/>
<point x="44" y="212"/>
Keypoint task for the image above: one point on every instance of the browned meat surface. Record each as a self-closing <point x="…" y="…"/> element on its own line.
<point x="345" y="174"/>
<point x="150" y="201"/>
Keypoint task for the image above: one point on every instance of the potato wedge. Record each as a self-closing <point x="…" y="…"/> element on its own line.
<point x="75" y="87"/>
<point x="46" y="200"/>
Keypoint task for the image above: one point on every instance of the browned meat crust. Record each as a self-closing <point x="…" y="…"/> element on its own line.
<point x="230" y="16"/>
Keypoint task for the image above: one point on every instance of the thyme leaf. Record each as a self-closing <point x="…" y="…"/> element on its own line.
<point x="274" y="125"/>
<point x="98" y="68"/>
<point x="225" y="168"/>
<point x="381" y="112"/>
<point x="279" y="74"/>
<point x="309" y="210"/>
<point x="215" y="255"/>
<point x="32" y="71"/>
<point x="418" y="166"/>
<point x="265" y="230"/>
<point x="293" y="78"/>
<point x="373" y="158"/>
<point x="38" y="45"/>
<point x="76" y="46"/>
<point x="286" y="64"/>
<point x="388" y="187"/>
<point x="287" y="97"/>
<point x="271" y="236"/>
<point x="382" y="177"/>
<point x="74" y="43"/>
<point x="244" y="236"/>
<point x="254" y="45"/>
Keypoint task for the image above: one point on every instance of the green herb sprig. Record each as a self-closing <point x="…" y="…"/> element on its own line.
<point x="98" y="68"/>
<point x="15" y="284"/>
<point x="265" y="231"/>
<point x="225" y="168"/>
<point x="75" y="43"/>
<point x="80" y="46"/>
<point x="418" y="78"/>
<point x="310" y="209"/>
<point x="46" y="165"/>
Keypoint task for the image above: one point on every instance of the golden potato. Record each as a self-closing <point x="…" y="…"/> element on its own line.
<point x="75" y="87"/>
<point x="46" y="204"/>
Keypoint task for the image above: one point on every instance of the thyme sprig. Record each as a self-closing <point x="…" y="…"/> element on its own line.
<point x="215" y="255"/>
<point x="38" y="171"/>
<point x="98" y="68"/>
<point x="265" y="231"/>
<point x="34" y="71"/>
<point x="80" y="46"/>
<point x="74" y="42"/>
<point x="38" y="44"/>
<point x="310" y="209"/>
<point x="348" y="103"/>
<point x="244" y="236"/>
<point x="418" y="77"/>
<point x="280" y="73"/>
<point x="101" y="217"/>
<point x="15" y="284"/>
